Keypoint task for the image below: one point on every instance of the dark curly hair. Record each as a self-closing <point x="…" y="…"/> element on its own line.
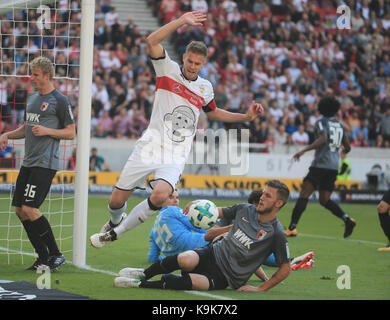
<point x="328" y="106"/>
<point x="254" y="197"/>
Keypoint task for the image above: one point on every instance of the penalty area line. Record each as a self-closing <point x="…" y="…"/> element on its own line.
<point x="316" y="236"/>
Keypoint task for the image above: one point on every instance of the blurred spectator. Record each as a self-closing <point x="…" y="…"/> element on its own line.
<point x="280" y="135"/>
<point x="360" y="141"/>
<point x="291" y="125"/>
<point x="71" y="165"/>
<point x="385" y="125"/>
<point x="106" y="124"/>
<point x="300" y="136"/>
<point x="97" y="163"/>
<point x="121" y="123"/>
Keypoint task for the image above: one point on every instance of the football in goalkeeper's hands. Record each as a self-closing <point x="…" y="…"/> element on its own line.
<point x="203" y="214"/>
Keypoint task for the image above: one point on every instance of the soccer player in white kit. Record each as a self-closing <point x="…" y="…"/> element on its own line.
<point x="165" y="144"/>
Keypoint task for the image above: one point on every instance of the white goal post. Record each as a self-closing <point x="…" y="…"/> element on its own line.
<point x="83" y="132"/>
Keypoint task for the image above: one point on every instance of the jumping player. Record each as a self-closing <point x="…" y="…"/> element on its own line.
<point x="164" y="146"/>
<point x="330" y="138"/>
<point x="48" y="119"/>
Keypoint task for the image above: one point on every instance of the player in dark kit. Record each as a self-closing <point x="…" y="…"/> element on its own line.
<point x="48" y="118"/>
<point x="384" y="218"/>
<point x="330" y="138"/>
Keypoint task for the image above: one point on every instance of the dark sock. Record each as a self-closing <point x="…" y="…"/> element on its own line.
<point x="384" y="220"/>
<point x="36" y="241"/>
<point x="167" y="265"/>
<point x="42" y="227"/>
<point x="300" y="206"/>
<point x="336" y="210"/>
<point x="152" y="284"/>
<point x="169" y="281"/>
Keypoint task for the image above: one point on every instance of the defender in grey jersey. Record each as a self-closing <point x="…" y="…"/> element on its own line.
<point x="48" y="118"/>
<point x="330" y="138"/>
<point x="232" y="260"/>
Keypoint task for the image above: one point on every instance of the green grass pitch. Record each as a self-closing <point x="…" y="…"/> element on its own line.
<point x="319" y="231"/>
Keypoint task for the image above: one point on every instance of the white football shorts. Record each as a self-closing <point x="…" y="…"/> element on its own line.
<point x="139" y="166"/>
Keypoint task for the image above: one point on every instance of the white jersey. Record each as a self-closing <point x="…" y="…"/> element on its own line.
<point x="175" y="113"/>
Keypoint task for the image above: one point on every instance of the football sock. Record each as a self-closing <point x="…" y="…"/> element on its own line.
<point x="169" y="281"/>
<point x="43" y="229"/>
<point x="138" y="215"/>
<point x="336" y="210"/>
<point x="116" y="214"/>
<point x="37" y="243"/>
<point x="167" y="265"/>
<point x="384" y="219"/>
<point x="300" y="206"/>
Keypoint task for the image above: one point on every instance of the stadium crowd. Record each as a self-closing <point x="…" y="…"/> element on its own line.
<point x="285" y="54"/>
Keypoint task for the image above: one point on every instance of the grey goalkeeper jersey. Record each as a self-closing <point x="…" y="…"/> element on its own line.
<point x="327" y="156"/>
<point x="53" y="111"/>
<point x="248" y="244"/>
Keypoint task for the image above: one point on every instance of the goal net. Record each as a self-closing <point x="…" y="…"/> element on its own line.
<point x="28" y="29"/>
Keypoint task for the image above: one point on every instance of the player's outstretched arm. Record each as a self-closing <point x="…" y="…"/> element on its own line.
<point x="18" y="133"/>
<point x="67" y="133"/>
<point x="282" y="273"/>
<point x="225" y="116"/>
<point x="154" y="40"/>
<point x="315" y="145"/>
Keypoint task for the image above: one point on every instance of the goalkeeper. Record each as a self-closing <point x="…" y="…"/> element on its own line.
<point x="172" y="232"/>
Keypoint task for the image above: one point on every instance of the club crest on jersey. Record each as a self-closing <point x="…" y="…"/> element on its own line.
<point x="202" y="89"/>
<point x="177" y="88"/>
<point x="44" y="106"/>
<point x="261" y="234"/>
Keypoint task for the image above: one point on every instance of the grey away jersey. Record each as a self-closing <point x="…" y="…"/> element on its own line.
<point x="53" y="111"/>
<point x="327" y="156"/>
<point x="248" y="244"/>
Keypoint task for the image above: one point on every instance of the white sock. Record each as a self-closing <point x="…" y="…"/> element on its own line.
<point x="116" y="214"/>
<point x="138" y="215"/>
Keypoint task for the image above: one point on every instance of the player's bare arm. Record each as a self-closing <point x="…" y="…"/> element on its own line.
<point x="315" y="145"/>
<point x="225" y="116"/>
<point x="282" y="273"/>
<point x="19" y="133"/>
<point x="216" y="231"/>
<point x="67" y="133"/>
<point x="154" y="39"/>
<point x="346" y="144"/>
<point x="261" y="274"/>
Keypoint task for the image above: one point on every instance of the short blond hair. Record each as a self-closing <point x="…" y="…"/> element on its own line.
<point x="44" y="64"/>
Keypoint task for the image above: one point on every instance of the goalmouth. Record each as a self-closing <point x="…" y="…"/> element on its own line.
<point x="82" y="93"/>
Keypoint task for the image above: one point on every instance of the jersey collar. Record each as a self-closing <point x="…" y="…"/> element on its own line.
<point x="182" y="74"/>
